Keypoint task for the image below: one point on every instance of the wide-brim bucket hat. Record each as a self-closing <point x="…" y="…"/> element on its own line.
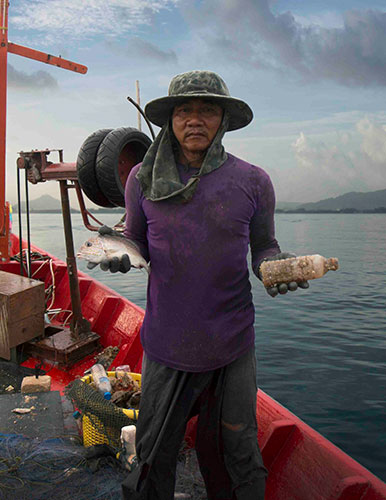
<point x="203" y="85"/>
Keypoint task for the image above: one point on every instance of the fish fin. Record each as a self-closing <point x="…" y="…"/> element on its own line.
<point x="145" y="269"/>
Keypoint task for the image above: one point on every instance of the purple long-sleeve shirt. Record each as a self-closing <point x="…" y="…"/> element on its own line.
<point x="199" y="313"/>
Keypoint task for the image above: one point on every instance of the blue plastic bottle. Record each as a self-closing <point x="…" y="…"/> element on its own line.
<point x="101" y="380"/>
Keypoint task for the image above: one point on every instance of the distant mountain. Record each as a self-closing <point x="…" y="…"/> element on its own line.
<point x="287" y="205"/>
<point x="44" y="203"/>
<point x="354" y="201"/>
<point x="358" y="201"/>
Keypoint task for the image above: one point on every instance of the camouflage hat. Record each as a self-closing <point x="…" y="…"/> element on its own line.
<point x="204" y="85"/>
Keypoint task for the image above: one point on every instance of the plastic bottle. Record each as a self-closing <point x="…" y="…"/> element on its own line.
<point x="128" y="445"/>
<point x="123" y="368"/>
<point x="304" y="268"/>
<point x="128" y="439"/>
<point x="101" y="380"/>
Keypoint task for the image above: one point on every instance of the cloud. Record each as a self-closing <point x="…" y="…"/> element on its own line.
<point x="324" y="19"/>
<point x="374" y="141"/>
<point x="37" y="80"/>
<point x="86" y="18"/>
<point x="147" y="50"/>
<point x="137" y="48"/>
<point x="328" y="170"/>
<point x="250" y="33"/>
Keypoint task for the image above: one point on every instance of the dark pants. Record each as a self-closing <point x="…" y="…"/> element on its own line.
<point x="226" y="444"/>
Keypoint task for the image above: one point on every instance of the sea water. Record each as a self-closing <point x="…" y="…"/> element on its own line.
<point x="321" y="352"/>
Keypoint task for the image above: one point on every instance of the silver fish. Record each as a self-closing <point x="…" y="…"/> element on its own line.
<point x="98" y="248"/>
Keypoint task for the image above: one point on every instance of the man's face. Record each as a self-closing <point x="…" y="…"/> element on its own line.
<point x="195" y="123"/>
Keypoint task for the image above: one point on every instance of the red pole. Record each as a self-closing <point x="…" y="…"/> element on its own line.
<point x="3" y="114"/>
<point x="6" y="47"/>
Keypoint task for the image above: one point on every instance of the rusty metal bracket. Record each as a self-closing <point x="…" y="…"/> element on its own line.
<point x="40" y="169"/>
<point x="83" y="210"/>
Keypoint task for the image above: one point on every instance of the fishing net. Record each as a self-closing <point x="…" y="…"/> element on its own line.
<point x="189" y="481"/>
<point x="61" y="468"/>
<point x="102" y="420"/>
<point x="54" y="468"/>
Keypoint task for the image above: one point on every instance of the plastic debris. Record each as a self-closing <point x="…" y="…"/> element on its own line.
<point x="307" y="267"/>
<point x="22" y="411"/>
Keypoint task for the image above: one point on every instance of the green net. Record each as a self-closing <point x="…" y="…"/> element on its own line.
<point x="104" y="420"/>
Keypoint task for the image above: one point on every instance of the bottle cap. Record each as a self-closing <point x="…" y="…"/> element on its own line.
<point x="107" y="395"/>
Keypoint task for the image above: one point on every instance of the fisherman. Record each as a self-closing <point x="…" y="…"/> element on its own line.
<point x="194" y="209"/>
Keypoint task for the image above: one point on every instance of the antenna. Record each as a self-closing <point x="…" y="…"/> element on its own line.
<point x="139" y="104"/>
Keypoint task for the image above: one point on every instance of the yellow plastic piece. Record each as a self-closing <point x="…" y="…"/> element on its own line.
<point x="91" y="435"/>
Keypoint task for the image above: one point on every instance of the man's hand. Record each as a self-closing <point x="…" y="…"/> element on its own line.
<point x="282" y="288"/>
<point x="115" y="264"/>
<point x="108" y="231"/>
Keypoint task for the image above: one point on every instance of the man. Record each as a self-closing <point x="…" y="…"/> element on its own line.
<point x="194" y="210"/>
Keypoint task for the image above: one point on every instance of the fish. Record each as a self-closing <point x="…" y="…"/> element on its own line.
<point x="102" y="247"/>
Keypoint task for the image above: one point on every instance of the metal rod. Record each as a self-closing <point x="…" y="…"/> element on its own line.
<point x="143" y="114"/>
<point x="28" y="224"/>
<point x="3" y="107"/>
<point x="20" y="224"/>
<point x="71" y="261"/>
<point x="83" y="210"/>
<point x="139" y="104"/>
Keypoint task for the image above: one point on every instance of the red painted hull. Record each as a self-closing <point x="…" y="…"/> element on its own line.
<point x="302" y="464"/>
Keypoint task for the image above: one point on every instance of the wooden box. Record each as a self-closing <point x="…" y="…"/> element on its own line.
<point x="21" y="311"/>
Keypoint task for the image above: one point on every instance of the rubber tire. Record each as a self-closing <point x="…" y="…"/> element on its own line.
<point x="85" y="166"/>
<point x="111" y="175"/>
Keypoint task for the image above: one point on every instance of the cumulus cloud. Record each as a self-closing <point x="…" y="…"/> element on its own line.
<point x="328" y="170"/>
<point x="85" y="18"/>
<point x="374" y="141"/>
<point x="251" y="33"/>
<point x="38" y="80"/>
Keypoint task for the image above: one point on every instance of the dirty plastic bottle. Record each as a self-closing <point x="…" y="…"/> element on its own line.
<point x="128" y="445"/>
<point x="128" y="439"/>
<point x="123" y="368"/>
<point x="304" y="268"/>
<point x="101" y="380"/>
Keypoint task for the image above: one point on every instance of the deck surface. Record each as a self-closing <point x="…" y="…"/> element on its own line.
<point x="44" y="420"/>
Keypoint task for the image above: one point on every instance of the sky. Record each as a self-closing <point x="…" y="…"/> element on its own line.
<point x="314" y="74"/>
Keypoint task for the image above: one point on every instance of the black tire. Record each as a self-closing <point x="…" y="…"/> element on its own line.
<point x="85" y="166"/>
<point x="119" y="152"/>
